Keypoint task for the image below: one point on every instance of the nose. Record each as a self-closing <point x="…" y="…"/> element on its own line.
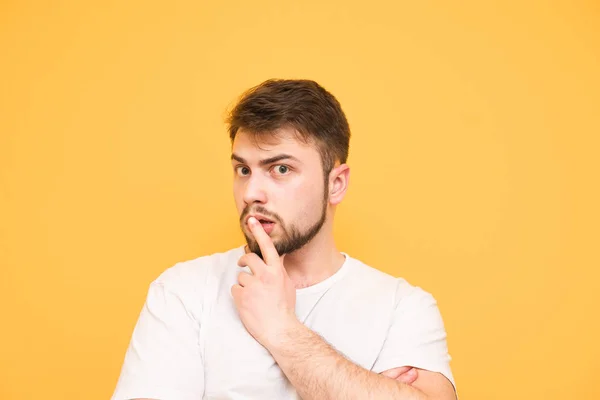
<point x="254" y="190"/>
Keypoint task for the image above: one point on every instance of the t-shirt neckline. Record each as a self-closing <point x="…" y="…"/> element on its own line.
<point x="327" y="282"/>
<point x="324" y="284"/>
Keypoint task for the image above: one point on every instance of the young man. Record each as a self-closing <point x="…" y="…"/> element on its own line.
<point x="287" y="316"/>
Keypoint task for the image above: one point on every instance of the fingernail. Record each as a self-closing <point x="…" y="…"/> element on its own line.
<point x="252" y="220"/>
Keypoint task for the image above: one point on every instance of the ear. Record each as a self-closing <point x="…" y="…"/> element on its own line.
<point x="339" y="178"/>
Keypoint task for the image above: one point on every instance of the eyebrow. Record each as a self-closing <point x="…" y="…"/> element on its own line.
<point x="266" y="161"/>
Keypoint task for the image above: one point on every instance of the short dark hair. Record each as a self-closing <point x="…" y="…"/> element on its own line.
<point x="298" y="103"/>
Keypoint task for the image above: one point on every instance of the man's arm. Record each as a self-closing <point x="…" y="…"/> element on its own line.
<point x="266" y="300"/>
<point x="318" y="371"/>
<point x="163" y="359"/>
<point x="406" y="375"/>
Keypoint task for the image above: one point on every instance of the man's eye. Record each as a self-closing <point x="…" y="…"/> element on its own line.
<point x="242" y="170"/>
<point x="281" y="169"/>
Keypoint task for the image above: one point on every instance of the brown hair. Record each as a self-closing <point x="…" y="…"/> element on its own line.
<point x="301" y="104"/>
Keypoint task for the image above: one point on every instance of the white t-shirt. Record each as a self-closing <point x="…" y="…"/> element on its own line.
<point x="189" y="343"/>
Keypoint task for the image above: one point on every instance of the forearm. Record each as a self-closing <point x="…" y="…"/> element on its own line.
<point x="318" y="371"/>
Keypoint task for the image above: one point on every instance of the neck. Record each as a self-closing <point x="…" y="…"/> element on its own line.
<point x="316" y="261"/>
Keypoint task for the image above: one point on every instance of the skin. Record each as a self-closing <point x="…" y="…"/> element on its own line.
<point x="293" y="190"/>
<point x="266" y="298"/>
<point x="406" y="375"/>
<point x="295" y="196"/>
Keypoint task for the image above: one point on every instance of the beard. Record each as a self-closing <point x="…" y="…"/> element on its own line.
<point x="292" y="237"/>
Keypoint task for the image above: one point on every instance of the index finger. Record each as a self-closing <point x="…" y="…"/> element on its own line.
<point x="267" y="248"/>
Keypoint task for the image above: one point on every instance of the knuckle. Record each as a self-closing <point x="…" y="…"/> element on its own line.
<point x="244" y="278"/>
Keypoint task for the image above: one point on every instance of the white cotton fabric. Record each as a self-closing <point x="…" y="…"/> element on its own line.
<point x="189" y="343"/>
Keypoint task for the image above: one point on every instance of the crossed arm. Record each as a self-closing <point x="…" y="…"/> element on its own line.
<point x="265" y="300"/>
<point x="401" y="376"/>
<point x="404" y="375"/>
<point x="318" y="371"/>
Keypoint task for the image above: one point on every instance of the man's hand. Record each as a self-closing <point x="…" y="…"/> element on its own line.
<point x="265" y="299"/>
<point x="406" y="375"/>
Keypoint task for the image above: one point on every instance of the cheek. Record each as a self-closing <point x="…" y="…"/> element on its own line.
<point x="306" y="204"/>
<point x="238" y="198"/>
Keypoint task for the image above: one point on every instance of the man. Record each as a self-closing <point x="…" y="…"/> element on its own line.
<point x="287" y="316"/>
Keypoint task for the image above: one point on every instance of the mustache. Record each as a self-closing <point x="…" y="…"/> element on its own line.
<point x="259" y="210"/>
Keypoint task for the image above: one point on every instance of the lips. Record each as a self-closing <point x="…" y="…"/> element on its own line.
<point x="261" y="219"/>
<point x="268" y="227"/>
<point x="266" y="223"/>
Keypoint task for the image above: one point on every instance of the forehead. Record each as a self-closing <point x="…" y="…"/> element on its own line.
<point x="283" y="140"/>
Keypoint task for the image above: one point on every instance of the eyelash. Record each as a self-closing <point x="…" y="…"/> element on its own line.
<point x="238" y="168"/>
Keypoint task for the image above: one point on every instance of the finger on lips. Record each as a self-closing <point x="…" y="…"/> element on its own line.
<point x="264" y="241"/>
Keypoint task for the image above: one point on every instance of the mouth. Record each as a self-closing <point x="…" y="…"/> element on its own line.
<point x="267" y="224"/>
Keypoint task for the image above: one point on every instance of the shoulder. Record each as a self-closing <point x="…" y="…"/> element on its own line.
<point x="404" y="293"/>
<point x="367" y="275"/>
<point x="191" y="276"/>
<point x="408" y="294"/>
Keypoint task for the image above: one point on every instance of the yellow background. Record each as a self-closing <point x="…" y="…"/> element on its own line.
<point x="474" y="171"/>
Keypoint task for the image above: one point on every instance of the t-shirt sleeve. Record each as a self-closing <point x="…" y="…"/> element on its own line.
<point x="417" y="336"/>
<point x="163" y="360"/>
